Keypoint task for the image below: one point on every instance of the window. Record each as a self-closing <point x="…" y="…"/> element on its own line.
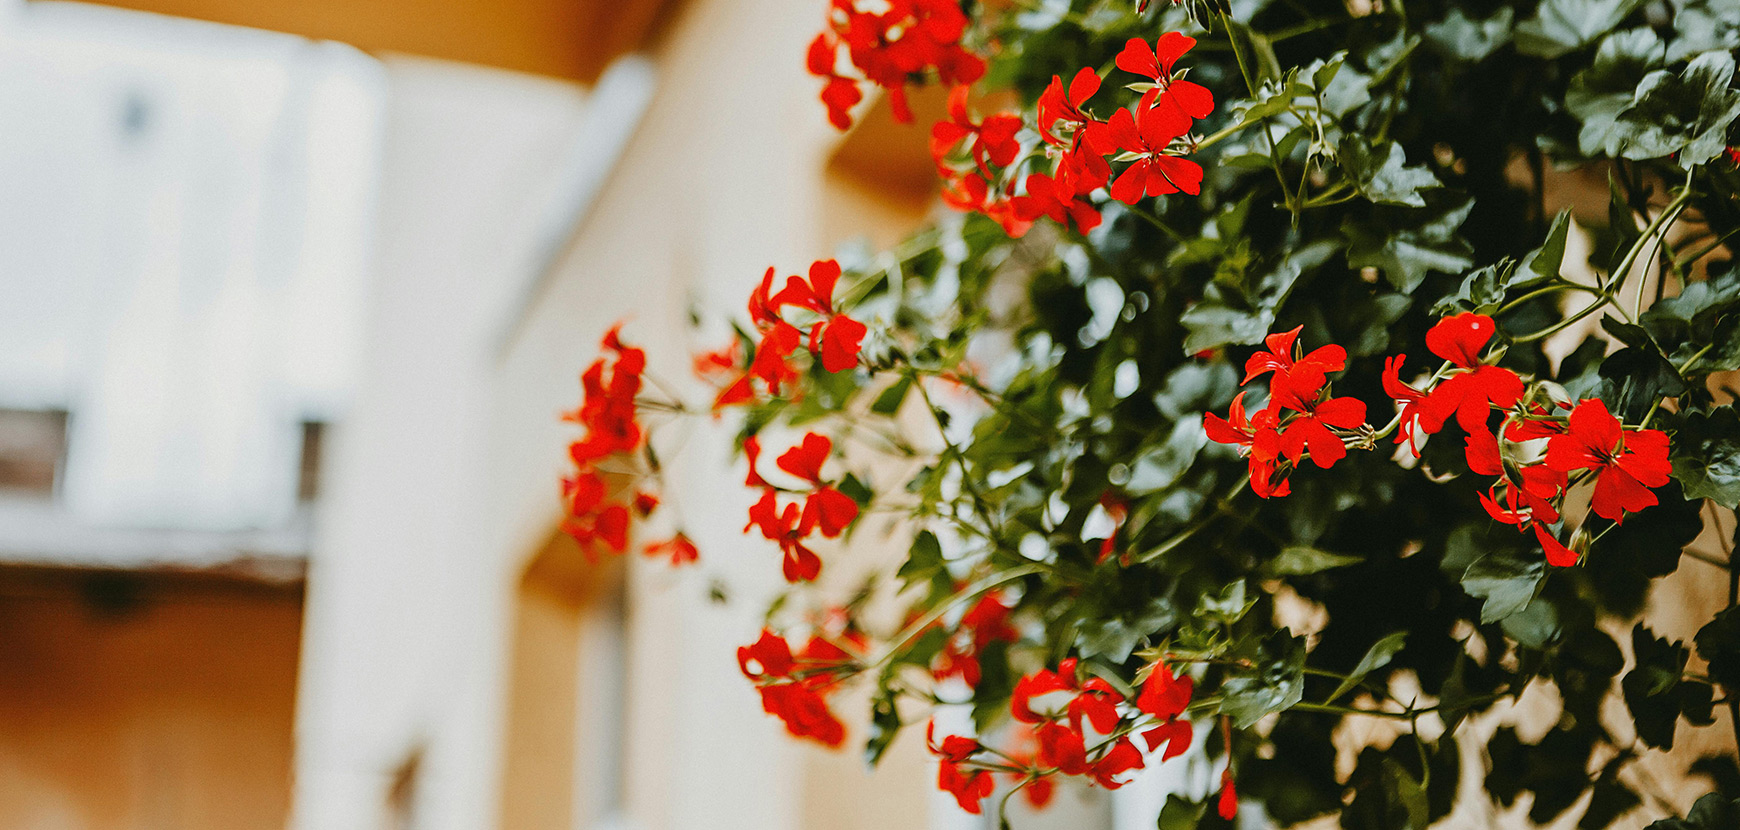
<point x="32" y="444"/>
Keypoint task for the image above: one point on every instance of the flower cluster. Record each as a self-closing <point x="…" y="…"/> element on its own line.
<point x="1585" y="443"/>
<point x="1582" y="442"/>
<point x="608" y="413"/>
<point x="1301" y="419"/>
<point x="832" y="337"/>
<point x="1080" y="728"/>
<point x="823" y="507"/>
<point x="795" y="687"/>
<point x="890" y="44"/>
<point x="1150" y="139"/>
<point x="985" y="623"/>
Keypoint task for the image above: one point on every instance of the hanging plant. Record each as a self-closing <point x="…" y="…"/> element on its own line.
<point x="1252" y="308"/>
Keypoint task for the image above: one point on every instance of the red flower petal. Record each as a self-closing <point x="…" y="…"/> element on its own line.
<point x="1461" y="338"/>
<point x="805" y="460"/>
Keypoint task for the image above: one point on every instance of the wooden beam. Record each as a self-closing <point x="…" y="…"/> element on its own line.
<point x="572" y="39"/>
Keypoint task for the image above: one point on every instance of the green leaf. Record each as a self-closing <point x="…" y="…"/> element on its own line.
<point x="1161" y="465"/>
<point x="1560" y="26"/>
<point x="1276" y="684"/>
<point x="1407" y="244"/>
<point x="1706" y="456"/>
<point x="1381" y="173"/>
<point x="1303" y="560"/>
<point x="1549" y="258"/>
<point x="996" y="682"/>
<point x="1470" y="39"/>
<point x="1701" y="315"/>
<point x="1181" y="813"/>
<point x="1703" y="26"/>
<point x="1254" y="52"/>
<point x="1230" y="605"/>
<point x="1376" y="657"/>
<point x="884" y="726"/>
<point x="1687" y="113"/>
<point x="1651" y="688"/>
<point x="889" y="401"/>
<point x="1598" y="94"/>
<point x="1718" y="644"/>
<point x="1241" y="308"/>
<point x="1609" y="799"/>
<point x="1386" y="796"/>
<point x="924" y="563"/>
<point x="1508" y="582"/>
<point x="1484" y="290"/>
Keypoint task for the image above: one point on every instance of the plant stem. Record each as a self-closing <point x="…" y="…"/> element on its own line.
<point x="1181" y="536"/>
<point x="1157" y="222"/>
<point x="919" y="626"/>
<point x="1563" y="285"/>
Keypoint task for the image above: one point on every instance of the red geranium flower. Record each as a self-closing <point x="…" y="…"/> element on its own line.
<point x="591" y="519"/>
<point x="993" y="139"/>
<point x="1261" y="441"/>
<point x="1166" y="696"/>
<point x="1228" y="804"/>
<point x="1626" y="463"/>
<point x="1121" y="758"/>
<point x="1059" y="196"/>
<point x="1300" y="378"/>
<point x="1529" y="503"/>
<point x="678" y="548"/>
<point x="1062" y="748"/>
<point x="1190" y="99"/>
<point x="804" y="712"/>
<point x="1055" y="104"/>
<point x="789" y="528"/>
<point x="1310" y="429"/>
<point x="1469" y="395"/>
<point x="986" y="622"/>
<point x="1155" y="172"/>
<point x="838" y="339"/>
<point x="969" y="787"/>
<point x="826" y="507"/>
<point x="1410" y="400"/>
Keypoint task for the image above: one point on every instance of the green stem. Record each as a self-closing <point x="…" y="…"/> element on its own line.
<point x="1184" y="535"/>
<point x="917" y="628"/>
<point x="1550" y="289"/>
<point x="1157" y="222"/>
<point x="1601" y="301"/>
<point x="1221" y="135"/>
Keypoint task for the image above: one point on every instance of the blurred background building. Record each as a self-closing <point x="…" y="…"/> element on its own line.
<point x="291" y="298"/>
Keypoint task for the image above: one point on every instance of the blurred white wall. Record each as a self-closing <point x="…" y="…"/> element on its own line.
<point x="184" y="233"/>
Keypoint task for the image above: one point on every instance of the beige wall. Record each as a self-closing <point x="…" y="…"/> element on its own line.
<point x="167" y="704"/>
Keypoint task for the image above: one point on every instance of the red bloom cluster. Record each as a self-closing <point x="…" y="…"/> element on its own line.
<point x="1469" y="391"/>
<point x="794" y="687"/>
<point x="967" y="784"/>
<point x="824" y="507"/>
<point x="1587" y="443"/>
<point x="1152" y="138"/>
<point x="1591" y="443"/>
<point x="985" y="623"/>
<point x="608" y="414"/>
<point x="1301" y="418"/>
<point x="900" y="43"/>
<point x="832" y="338"/>
<point x="1625" y="463"/>
<point x="1064" y="713"/>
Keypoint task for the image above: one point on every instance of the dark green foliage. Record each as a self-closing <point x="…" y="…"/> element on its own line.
<point x="1404" y="182"/>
